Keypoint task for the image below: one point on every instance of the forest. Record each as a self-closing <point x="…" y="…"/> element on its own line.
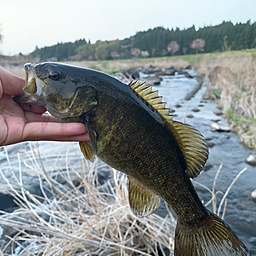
<point x="157" y="42"/>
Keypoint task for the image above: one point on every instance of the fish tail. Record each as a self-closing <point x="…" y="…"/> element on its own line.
<point x="211" y="237"/>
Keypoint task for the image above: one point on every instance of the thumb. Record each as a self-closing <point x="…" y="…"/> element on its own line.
<point x="10" y="83"/>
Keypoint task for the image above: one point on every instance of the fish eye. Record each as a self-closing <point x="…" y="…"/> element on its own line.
<point x="55" y="75"/>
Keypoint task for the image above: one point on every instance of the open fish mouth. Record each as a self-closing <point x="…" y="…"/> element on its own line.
<point x="33" y="87"/>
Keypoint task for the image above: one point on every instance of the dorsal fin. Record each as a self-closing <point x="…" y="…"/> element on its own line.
<point x="190" y="140"/>
<point x="150" y="96"/>
<point x="192" y="145"/>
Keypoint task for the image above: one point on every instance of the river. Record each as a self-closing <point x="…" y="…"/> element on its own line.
<point x="226" y="150"/>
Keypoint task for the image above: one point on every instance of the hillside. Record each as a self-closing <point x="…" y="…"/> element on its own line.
<point x="156" y="42"/>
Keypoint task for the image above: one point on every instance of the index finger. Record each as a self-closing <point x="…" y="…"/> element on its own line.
<point x="11" y="84"/>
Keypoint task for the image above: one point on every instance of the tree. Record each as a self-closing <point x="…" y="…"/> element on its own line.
<point x="102" y="50"/>
<point x="86" y="51"/>
<point x="198" y="44"/>
<point x="173" y="47"/>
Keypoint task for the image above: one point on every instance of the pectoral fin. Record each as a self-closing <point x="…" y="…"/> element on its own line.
<point x="92" y="136"/>
<point x="87" y="150"/>
<point x="142" y="201"/>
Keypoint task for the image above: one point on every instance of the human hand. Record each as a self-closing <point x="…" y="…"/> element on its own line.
<point x="23" y="122"/>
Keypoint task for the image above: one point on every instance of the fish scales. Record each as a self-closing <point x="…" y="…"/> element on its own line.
<point x="141" y="145"/>
<point x="131" y="130"/>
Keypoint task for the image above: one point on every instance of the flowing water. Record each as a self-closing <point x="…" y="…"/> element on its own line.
<point x="240" y="212"/>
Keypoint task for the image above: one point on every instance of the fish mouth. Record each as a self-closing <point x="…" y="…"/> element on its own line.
<point x="33" y="87"/>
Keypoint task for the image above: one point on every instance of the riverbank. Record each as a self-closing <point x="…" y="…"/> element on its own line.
<point x="231" y="80"/>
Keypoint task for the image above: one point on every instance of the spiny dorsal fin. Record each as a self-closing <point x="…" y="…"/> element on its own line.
<point x="142" y="201"/>
<point x="192" y="145"/>
<point x="190" y="140"/>
<point x="150" y="96"/>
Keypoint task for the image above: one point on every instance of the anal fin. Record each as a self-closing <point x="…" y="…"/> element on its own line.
<point x="87" y="150"/>
<point x="142" y="201"/>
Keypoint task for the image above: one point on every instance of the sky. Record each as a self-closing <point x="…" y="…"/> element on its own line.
<point x="26" y="24"/>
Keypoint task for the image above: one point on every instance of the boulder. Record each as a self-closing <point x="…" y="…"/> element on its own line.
<point x="218" y="112"/>
<point x="206" y="96"/>
<point x="190" y="116"/>
<point x="220" y="128"/>
<point x="151" y="70"/>
<point x="210" y="144"/>
<point x="171" y="110"/>
<point x="251" y="160"/>
<point x="167" y="72"/>
<point x="207" y="166"/>
<point x="177" y="106"/>
<point x="131" y="73"/>
<point x="187" y="75"/>
<point x="153" y="80"/>
<point x="181" y="71"/>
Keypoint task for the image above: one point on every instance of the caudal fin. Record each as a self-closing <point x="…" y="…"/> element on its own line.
<point x="212" y="237"/>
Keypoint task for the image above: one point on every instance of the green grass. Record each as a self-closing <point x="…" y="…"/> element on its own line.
<point x="232" y="116"/>
<point x="114" y="71"/>
<point x="238" y="119"/>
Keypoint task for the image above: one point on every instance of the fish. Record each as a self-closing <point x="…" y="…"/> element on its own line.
<point x="131" y="130"/>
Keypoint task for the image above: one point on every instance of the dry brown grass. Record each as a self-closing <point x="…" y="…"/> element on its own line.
<point x="235" y="75"/>
<point x="88" y="219"/>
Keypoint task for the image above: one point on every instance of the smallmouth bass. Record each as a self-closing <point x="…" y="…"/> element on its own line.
<point x="131" y="130"/>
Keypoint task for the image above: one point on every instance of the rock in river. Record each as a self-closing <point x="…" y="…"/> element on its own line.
<point x="218" y="112"/>
<point x="190" y="116"/>
<point x="131" y="73"/>
<point x="210" y="144"/>
<point x="251" y="160"/>
<point x="207" y="167"/>
<point x="153" y="80"/>
<point x="253" y="194"/>
<point x="167" y="72"/>
<point x="220" y="128"/>
<point x="195" y="109"/>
